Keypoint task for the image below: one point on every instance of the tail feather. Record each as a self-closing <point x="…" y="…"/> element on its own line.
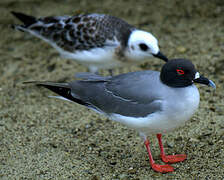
<point x="26" y="19"/>
<point x="62" y="89"/>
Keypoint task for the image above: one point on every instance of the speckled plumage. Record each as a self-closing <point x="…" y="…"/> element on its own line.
<point x="97" y="41"/>
<point x="82" y="32"/>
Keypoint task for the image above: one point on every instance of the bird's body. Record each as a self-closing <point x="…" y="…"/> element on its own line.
<point x="97" y="41"/>
<point x="171" y="115"/>
<point x="133" y="99"/>
<point x="148" y="101"/>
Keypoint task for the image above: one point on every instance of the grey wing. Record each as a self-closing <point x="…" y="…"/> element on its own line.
<point x="86" y="76"/>
<point x="116" y="95"/>
<point x="141" y="86"/>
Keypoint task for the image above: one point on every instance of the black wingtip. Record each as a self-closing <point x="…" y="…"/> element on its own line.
<point x="61" y="89"/>
<point x="26" y="19"/>
<point x="64" y="92"/>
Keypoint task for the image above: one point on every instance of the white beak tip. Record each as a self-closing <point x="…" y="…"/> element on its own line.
<point x="212" y="84"/>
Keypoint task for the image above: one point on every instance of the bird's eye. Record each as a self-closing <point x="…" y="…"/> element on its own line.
<point x="180" y="71"/>
<point x="143" y="47"/>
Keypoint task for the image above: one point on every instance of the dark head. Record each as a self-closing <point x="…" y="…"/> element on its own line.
<point x="182" y="73"/>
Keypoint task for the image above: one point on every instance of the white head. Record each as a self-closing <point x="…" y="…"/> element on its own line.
<point x="142" y="45"/>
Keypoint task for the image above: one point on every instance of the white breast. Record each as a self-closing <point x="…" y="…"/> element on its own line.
<point x="101" y="58"/>
<point x="179" y="105"/>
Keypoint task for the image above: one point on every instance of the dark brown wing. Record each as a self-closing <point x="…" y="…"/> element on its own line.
<point x="81" y="32"/>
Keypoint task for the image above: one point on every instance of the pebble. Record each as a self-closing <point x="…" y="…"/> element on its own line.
<point x="132" y="170"/>
<point x="95" y="177"/>
<point x="181" y="49"/>
<point x="194" y="140"/>
<point x="170" y="144"/>
<point x="123" y="176"/>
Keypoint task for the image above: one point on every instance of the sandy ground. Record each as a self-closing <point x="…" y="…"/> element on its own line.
<point x="43" y="138"/>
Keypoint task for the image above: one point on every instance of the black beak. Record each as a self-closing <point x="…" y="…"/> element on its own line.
<point x="161" y="56"/>
<point x="203" y="80"/>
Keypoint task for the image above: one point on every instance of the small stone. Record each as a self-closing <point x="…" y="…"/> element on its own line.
<point x="194" y="140"/>
<point x="181" y="49"/>
<point x="212" y="109"/>
<point x="51" y="67"/>
<point x="210" y="143"/>
<point x="179" y="138"/>
<point x="113" y="163"/>
<point x="170" y="144"/>
<point x="95" y="177"/>
<point x="132" y="170"/>
<point x="219" y="111"/>
<point x="123" y="176"/>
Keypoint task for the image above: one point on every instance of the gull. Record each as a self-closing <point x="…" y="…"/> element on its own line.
<point x="97" y="41"/>
<point x="150" y="102"/>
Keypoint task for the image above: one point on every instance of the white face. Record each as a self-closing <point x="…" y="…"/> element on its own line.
<point x="197" y="75"/>
<point x="142" y="45"/>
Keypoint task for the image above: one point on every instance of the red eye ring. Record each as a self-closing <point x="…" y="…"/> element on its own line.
<point x="179" y="71"/>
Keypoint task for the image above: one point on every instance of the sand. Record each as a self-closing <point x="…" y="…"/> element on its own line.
<point x="43" y="138"/>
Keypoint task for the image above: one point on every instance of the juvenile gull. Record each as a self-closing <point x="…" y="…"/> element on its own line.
<point x="97" y="41"/>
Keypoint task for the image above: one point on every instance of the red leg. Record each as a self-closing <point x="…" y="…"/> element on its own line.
<point x="156" y="167"/>
<point x="169" y="158"/>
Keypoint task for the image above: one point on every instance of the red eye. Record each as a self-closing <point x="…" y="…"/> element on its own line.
<point x="179" y="71"/>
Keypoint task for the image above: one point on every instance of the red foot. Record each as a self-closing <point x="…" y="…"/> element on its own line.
<point x="174" y="158"/>
<point x="162" y="168"/>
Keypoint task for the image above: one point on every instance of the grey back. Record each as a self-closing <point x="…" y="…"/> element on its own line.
<point x="133" y="94"/>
